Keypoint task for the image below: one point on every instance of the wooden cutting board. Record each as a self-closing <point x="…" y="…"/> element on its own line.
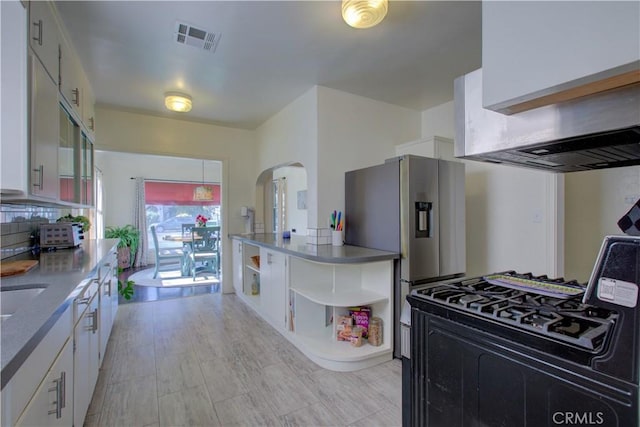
<point x="10" y="268"/>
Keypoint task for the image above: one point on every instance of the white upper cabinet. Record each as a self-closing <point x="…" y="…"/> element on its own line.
<point x="88" y="102"/>
<point x="14" y="134"/>
<point x="71" y="77"/>
<point x="44" y="36"/>
<point x="435" y="147"/>
<point x="538" y="53"/>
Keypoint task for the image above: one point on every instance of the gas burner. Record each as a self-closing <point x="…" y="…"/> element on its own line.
<point x="564" y="318"/>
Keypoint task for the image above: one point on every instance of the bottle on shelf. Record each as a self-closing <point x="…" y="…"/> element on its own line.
<point x="255" y="285"/>
<point x="375" y="331"/>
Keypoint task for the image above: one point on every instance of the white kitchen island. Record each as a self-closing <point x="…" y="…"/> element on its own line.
<point x="301" y="289"/>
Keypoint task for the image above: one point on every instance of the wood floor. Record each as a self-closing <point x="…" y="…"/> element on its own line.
<point x="209" y="360"/>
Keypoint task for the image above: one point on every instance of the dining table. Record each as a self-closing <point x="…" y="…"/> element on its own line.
<point x="187" y="248"/>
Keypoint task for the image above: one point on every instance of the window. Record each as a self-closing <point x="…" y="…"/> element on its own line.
<point x="279" y="205"/>
<point x="171" y="204"/>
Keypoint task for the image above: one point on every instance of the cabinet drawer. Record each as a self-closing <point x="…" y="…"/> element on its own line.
<point x="18" y="392"/>
<point x="83" y="300"/>
<point x="52" y="403"/>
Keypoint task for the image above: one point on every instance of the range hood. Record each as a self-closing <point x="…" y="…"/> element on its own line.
<point x="593" y="132"/>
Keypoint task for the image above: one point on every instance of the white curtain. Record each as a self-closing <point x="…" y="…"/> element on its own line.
<point x="140" y="222"/>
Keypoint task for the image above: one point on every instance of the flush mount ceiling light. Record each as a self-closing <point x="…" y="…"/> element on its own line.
<point x="178" y="102"/>
<point x="364" y="13"/>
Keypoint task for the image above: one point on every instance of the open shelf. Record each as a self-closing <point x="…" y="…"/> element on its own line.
<point x="346" y="298"/>
<point x="250" y="267"/>
<point x="302" y="299"/>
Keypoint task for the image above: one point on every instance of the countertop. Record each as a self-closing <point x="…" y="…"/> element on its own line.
<point x="65" y="272"/>
<point x="298" y="246"/>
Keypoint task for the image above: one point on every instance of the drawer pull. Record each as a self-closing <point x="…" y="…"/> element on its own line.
<point x="75" y="96"/>
<point x="59" y="388"/>
<point x="38" y="38"/>
<point x="94" y="324"/>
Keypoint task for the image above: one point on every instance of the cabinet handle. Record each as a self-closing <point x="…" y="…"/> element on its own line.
<point x="60" y="395"/>
<point x="63" y="390"/>
<point x="84" y="301"/>
<point x="39" y="37"/>
<point x="76" y="96"/>
<point x="269" y="258"/>
<point x="40" y="171"/>
<point x="94" y="325"/>
<point x="92" y="123"/>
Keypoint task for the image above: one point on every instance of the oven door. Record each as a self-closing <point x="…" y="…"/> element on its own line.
<point x="462" y="376"/>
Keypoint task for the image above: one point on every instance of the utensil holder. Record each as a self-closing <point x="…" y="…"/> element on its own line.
<point x="336" y="238"/>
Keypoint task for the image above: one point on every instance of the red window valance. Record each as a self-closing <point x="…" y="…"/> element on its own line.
<point x="178" y="193"/>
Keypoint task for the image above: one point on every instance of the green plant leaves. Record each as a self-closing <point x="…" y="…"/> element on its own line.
<point x="125" y="289"/>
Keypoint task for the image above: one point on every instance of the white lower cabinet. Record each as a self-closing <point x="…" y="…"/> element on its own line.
<point x="302" y="299"/>
<point x="108" y="301"/>
<point x="55" y="383"/>
<point x="86" y="360"/>
<point x="237" y="266"/>
<point x="273" y="281"/>
<point x="53" y="401"/>
<point x="22" y="397"/>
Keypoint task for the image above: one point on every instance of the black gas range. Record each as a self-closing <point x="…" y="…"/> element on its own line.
<point x="511" y="349"/>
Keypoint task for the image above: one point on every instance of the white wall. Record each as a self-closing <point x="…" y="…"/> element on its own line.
<point x="595" y="201"/>
<point x="439" y="121"/>
<point x="330" y="132"/>
<point x="355" y="132"/>
<point x="129" y="132"/>
<point x="508" y="211"/>
<point x="291" y="136"/>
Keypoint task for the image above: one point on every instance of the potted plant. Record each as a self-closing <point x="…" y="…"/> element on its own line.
<point x="129" y="239"/>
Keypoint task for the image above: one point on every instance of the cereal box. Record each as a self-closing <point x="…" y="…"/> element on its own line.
<point x="361" y="317"/>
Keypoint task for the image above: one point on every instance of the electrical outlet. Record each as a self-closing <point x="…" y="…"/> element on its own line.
<point x="537" y="215"/>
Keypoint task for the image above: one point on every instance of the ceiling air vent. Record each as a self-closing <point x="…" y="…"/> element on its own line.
<point x="202" y="39"/>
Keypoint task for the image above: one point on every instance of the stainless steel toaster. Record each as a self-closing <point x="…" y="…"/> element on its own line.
<point x="61" y="235"/>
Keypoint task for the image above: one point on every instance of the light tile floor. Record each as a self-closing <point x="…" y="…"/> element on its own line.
<point x="210" y="360"/>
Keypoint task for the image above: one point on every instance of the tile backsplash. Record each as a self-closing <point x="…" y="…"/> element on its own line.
<point x="319" y="236"/>
<point x="18" y="223"/>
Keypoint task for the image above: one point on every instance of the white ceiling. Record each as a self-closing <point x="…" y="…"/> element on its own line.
<point x="270" y="53"/>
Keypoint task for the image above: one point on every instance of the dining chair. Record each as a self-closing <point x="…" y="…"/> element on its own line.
<point x="205" y="250"/>
<point x="186" y="233"/>
<point x="166" y="254"/>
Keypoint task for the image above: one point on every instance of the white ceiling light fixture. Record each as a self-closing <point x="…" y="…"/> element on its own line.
<point x="178" y="102"/>
<point x="364" y="13"/>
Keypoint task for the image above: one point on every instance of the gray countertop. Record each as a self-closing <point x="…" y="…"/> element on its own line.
<point x="298" y="246"/>
<point x="65" y="272"/>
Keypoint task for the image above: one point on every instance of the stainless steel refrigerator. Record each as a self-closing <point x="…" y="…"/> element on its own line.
<point x="414" y="206"/>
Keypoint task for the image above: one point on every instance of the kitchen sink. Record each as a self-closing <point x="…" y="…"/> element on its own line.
<point x="12" y="299"/>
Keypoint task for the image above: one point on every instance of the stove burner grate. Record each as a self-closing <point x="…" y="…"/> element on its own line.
<point x="564" y="319"/>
